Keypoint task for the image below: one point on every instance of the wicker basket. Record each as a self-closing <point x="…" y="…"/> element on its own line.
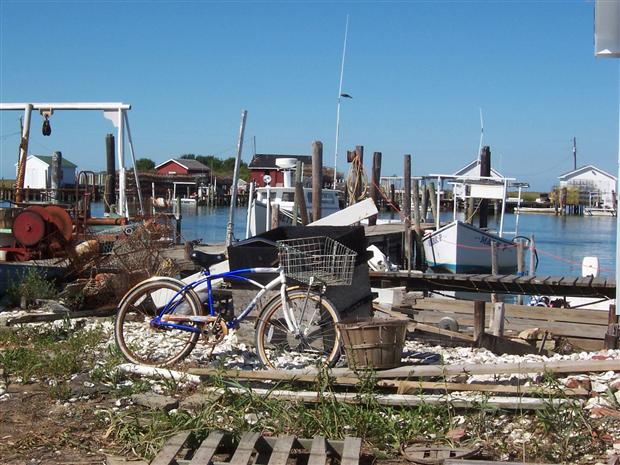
<point x="374" y="343"/>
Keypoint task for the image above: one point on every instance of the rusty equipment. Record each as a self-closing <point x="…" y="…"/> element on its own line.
<point x="40" y="232"/>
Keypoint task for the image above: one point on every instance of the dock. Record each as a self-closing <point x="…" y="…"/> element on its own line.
<point x="500" y="284"/>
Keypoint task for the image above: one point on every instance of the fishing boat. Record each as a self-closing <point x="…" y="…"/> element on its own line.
<point x="259" y="209"/>
<point x="599" y="211"/>
<point x="459" y="247"/>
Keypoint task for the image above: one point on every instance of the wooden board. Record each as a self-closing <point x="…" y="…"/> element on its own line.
<point x="171" y="449"/>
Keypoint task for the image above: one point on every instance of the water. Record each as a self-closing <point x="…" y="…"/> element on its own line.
<point x="562" y="242"/>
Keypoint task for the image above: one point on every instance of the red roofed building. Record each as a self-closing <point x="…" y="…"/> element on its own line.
<point x="182" y="166"/>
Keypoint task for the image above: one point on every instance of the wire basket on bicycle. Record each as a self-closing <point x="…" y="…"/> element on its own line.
<point x="319" y="259"/>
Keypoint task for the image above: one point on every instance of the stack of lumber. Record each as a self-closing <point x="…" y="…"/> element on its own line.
<point x="584" y="329"/>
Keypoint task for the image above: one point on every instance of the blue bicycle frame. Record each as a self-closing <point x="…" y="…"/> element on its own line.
<point x="207" y="278"/>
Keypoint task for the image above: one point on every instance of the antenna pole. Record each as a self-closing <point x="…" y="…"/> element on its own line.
<point x="574" y="153"/>
<point x="344" y="51"/>
<point x="481" y="134"/>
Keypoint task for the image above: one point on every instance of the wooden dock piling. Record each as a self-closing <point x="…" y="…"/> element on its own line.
<point x="407" y="210"/>
<point x="317" y="179"/>
<point x="374" y="184"/>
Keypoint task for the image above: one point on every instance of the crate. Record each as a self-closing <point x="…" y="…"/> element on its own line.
<point x="374" y="343"/>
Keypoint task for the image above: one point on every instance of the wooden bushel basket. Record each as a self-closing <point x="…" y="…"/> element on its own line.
<point x="373" y="343"/>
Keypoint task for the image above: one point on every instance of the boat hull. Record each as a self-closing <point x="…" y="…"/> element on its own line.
<point x="461" y="248"/>
<point x="591" y="211"/>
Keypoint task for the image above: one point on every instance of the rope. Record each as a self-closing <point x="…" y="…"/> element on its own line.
<point x="357" y="181"/>
<point x="389" y="202"/>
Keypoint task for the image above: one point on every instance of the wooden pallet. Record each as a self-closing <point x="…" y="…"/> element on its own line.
<point x="254" y="449"/>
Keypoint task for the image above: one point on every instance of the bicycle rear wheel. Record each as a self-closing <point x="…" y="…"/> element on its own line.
<point x="316" y="343"/>
<point x="144" y="342"/>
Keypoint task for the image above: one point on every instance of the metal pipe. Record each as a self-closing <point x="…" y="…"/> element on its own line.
<point x="110" y="181"/>
<point x="135" y="170"/>
<point x="23" y="154"/>
<point x="122" y="180"/>
<point x="66" y="106"/>
<point x="233" y="197"/>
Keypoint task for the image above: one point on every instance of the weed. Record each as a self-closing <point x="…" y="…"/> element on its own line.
<point x="31" y="285"/>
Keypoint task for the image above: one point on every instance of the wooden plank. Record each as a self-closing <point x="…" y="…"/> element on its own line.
<point x="171" y="449"/>
<point x="485" y="462"/>
<point x="351" y="451"/>
<point x="318" y="455"/>
<point x="281" y="451"/>
<point x="411" y="387"/>
<point x="575" y="315"/>
<point x="521" y="324"/>
<point x="562" y="366"/>
<point x="207" y="449"/>
<point x="403" y="400"/>
<point x="245" y="449"/>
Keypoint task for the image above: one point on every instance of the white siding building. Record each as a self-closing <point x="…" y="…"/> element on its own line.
<point x="592" y="182"/>
<point x="39" y="172"/>
<point x="473" y="169"/>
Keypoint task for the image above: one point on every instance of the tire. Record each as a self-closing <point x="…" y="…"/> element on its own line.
<point x="146" y="344"/>
<point x="278" y="348"/>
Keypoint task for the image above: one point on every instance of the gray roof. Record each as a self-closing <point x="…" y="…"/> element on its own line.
<point x="191" y="165"/>
<point x="48" y="159"/>
<point x="268" y="160"/>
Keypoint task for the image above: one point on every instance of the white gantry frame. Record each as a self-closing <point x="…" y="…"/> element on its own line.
<point x="115" y="112"/>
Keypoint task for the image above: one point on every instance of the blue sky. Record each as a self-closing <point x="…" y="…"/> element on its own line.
<point x="418" y="72"/>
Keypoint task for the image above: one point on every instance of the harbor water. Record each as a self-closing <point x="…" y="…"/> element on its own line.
<point x="561" y="241"/>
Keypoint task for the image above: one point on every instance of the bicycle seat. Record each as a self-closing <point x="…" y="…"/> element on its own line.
<point x="206" y="259"/>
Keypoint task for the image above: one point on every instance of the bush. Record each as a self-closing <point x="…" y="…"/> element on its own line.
<point x="32" y="285"/>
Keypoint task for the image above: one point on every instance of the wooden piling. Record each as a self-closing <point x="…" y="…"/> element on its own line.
<point x="520" y="266"/>
<point x="479" y="319"/>
<point x="301" y="200"/>
<point x="393" y="194"/>
<point x="416" y="203"/>
<point x="298" y="179"/>
<point x="317" y="179"/>
<point x="424" y="203"/>
<point x="497" y="323"/>
<point x="178" y="221"/>
<point x="612" y="334"/>
<point x="374" y="184"/>
<point x="469" y="210"/>
<point x="407" y="210"/>
<point x="494" y="267"/>
<point x="485" y="170"/>
<point x="275" y="215"/>
<point x="433" y="198"/>
<point x="532" y="256"/>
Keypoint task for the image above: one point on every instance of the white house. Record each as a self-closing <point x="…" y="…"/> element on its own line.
<point x="39" y="172"/>
<point x="473" y="169"/>
<point x="592" y="182"/>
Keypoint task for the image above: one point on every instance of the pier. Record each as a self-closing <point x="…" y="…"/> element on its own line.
<point x="500" y="284"/>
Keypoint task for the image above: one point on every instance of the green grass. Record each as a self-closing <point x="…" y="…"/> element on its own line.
<point x="51" y="354"/>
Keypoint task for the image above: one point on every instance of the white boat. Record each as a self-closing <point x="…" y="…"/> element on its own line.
<point x="537" y="210"/>
<point x="259" y="217"/>
<point x="459" y="247"/>
<point x="462" y="248"/>
<point x="599" y="211"/>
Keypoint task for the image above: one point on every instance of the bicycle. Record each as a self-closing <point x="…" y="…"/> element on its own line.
<point x="160" y="320"/>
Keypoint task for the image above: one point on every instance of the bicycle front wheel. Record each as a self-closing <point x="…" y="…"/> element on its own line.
<point x="316" y="341"/>
<point x="145" y="342"/>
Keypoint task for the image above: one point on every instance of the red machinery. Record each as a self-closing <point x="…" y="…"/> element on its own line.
<point x="40" y="232"/>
